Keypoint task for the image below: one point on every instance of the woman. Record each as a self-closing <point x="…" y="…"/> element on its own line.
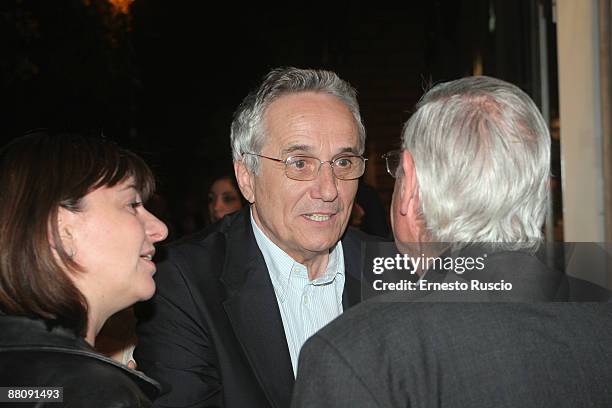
<point x="76" y="246"/>
<point x="223" y="198"/>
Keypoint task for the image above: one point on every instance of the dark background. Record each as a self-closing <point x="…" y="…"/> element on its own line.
<point x="164" y="77"/>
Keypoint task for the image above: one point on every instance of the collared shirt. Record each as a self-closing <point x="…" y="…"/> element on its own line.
<point x="305" y="305"/>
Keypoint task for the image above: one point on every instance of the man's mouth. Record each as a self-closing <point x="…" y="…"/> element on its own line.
<point x="318" y="217"/>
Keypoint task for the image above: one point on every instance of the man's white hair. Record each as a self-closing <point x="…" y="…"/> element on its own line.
<point x="248" y="132"/>
<point x="482" y="155"/>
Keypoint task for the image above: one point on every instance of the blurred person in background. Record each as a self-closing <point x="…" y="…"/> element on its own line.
<point x="224" y="197"/>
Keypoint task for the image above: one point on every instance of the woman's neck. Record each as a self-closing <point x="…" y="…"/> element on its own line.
<point x="95" y="322"/>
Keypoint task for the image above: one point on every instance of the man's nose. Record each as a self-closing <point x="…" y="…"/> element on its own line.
<point x="326" y="188"/>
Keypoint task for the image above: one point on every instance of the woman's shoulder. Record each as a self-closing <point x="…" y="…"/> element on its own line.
<point x="87" y="378"/>
<point x="84" y="379"/>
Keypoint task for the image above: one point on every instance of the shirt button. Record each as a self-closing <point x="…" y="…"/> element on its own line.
<point x="305" y="297"/>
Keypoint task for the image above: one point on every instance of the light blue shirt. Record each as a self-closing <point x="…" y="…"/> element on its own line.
<point x="305" y="306"/>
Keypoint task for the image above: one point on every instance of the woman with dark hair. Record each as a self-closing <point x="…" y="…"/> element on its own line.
<point x="224" y="197"/>
<point x="76" y="246"/>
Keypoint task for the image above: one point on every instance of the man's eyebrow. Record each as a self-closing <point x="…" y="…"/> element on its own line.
<point x="296" y="148"/>
<point x="309" y="149"/>
<point x="352" y="150"/>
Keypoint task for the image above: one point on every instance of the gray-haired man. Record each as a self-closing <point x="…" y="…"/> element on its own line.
<point x="472" y="174"/>
<point x="234" y="306"/>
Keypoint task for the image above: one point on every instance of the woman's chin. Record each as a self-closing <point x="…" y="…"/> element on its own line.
<point x="147" y="291"/>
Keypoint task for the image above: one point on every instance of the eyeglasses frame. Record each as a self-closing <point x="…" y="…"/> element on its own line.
<point x="321" y="162"/>
<point x="387" y="156"/>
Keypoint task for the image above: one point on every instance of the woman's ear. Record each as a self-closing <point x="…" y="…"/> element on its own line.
<point x="65" y="231"/>
<point x="246" y="181"/>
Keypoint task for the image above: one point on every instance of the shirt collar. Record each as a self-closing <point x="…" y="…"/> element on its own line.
<point x="281" y="266"/>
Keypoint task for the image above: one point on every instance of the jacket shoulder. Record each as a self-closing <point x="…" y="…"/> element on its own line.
<point x="85" y="381"/>
<point x="196" y="252"/>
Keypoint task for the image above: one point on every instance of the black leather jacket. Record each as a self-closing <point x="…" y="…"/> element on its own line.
<point x="33" y="356"/>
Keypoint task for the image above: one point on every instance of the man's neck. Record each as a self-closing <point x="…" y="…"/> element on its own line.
<point x="315" y="262"/>
<point x="317" y="265"/>
<point x="424" y="249"/>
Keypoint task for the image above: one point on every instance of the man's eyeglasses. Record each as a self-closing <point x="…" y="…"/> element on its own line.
<point x="393" y="160"/>
<point x="306" y="168"/>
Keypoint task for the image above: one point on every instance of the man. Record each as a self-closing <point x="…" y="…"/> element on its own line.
<point x="472" y="173"/>
<point x="235" y="305"/>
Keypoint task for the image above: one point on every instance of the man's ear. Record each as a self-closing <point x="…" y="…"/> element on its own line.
<point x="246" y="181"/>
<point x="409" y="185"/>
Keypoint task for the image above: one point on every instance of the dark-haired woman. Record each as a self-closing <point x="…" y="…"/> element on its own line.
<point x="224" y="197"/>
<point x="76" y="246"/>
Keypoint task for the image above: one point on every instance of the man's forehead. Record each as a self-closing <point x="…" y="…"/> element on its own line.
<point x="297" y="147"/>
<point x="309" y="123"/>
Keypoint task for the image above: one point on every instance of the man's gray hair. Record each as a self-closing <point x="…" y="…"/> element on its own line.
<point x="248" y="130"/>
<point x="482" y="155"/>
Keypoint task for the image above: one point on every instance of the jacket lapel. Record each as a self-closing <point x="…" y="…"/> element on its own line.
<point x="253" y="310"/>
<point x="254" y="314"/>
<point x="352" y="247"/>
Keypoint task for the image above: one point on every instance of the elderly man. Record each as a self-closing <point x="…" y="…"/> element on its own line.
<point x="472" y="173"/>
<point x="235" y="305"/>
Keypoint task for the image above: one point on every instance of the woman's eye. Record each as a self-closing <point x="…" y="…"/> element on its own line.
<point x="228" y="198"/>
<point x="135" y="204"/>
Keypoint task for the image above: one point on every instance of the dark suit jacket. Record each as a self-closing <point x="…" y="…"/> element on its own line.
<point x="389" y="352"/>
<point x="213" y="334"/>
<point x="447" y="355"/>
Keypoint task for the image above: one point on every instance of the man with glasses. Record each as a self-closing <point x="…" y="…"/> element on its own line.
<point x="235" y="305"/>
<point x="472" y="174"/>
